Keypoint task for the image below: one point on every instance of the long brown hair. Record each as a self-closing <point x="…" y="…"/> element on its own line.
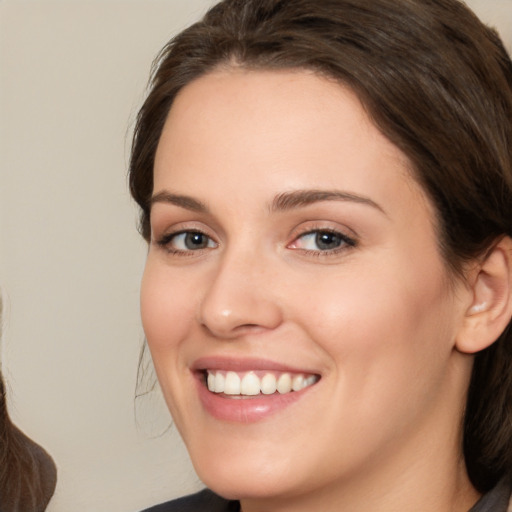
<point x="27" y="473"/>
<point x="436" y="81"/>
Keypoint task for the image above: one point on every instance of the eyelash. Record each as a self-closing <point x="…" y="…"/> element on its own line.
<point x="345" y="242"/>
<point x="166" y="240"/>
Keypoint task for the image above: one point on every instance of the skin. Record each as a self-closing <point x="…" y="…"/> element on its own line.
<point x="377" y="318"/>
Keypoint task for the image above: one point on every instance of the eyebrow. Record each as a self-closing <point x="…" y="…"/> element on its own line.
<point x="187" y="202"/>
<point x="282" y="202"/>
<point x="300" y="198"/>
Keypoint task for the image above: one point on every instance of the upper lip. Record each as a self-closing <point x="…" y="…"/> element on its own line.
<point x="245" y="365"/>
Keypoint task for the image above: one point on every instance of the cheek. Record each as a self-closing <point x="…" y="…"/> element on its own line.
<point x="165" y="308"/>
<point x="388" y="338"/>
<point x="166" y="312"/>
<point x="383" y="328"/>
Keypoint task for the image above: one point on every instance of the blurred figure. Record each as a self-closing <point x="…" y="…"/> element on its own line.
<point x="27" y="473"/>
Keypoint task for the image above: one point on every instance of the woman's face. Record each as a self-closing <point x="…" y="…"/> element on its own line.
<point x="291" y="248"/>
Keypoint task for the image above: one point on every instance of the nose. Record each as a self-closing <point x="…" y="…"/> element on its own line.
<point x="240" y="298"/>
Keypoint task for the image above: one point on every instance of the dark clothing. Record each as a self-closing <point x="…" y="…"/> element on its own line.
<point x="204" y="501"/>
<point x="496" y="500"/>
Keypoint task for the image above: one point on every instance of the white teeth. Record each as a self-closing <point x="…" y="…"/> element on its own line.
<point x="284" y="383"/>
<point x="220" y="382"/>
<point x="309" y="381"/>
<point x="211" y="381"/>
<point x="269" y="384"/>
<point x="232" y="384"/>
<point x="249" y="384"/>
<point x="297" y="382"/>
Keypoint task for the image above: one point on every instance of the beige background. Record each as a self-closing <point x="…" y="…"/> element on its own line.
<point x="72" y="74"/>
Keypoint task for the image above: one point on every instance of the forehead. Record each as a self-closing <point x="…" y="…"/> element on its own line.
<point x="275" y="103"/>
<point x="289" y="129"/>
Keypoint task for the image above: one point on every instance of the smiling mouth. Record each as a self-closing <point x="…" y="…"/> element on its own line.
<point x="255" y="383"/>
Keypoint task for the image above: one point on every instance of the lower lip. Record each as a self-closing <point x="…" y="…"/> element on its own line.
<point x="246" y="410"/>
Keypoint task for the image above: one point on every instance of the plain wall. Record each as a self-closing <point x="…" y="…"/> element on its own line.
<point x="72" y="74"/>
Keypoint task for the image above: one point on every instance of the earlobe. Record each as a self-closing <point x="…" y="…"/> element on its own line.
<point x="490" y="310"/>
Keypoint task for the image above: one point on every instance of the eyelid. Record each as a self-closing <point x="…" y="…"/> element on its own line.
<point x="166" y="243"/>
<point x="164" y="239"/>
<point x="168" y="237"/>
<point x="348" y="241"/>
<point x="168" y="225"/>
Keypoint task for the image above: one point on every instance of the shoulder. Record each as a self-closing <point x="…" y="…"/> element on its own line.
<point x="204" y="501"/>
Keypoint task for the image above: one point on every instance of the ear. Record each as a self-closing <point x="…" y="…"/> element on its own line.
<point x="490" y="310"/>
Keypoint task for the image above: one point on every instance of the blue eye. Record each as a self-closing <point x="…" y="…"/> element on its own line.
<point x="186" y="241"/>
<point x="323" y="241"/>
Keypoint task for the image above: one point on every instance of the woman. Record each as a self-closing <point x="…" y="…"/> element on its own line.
<point x="326" y="190"/>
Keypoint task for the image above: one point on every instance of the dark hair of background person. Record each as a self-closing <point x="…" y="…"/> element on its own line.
<point x="28" y="475"/>
<point x="436" y="82"/>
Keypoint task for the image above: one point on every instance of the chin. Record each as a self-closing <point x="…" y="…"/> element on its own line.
<point x="244" y="475"/>
<point x="246" y="485"/>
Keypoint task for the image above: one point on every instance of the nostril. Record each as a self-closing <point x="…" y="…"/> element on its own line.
<point x="235" y="303"/>
<point x="232" y="332"/>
